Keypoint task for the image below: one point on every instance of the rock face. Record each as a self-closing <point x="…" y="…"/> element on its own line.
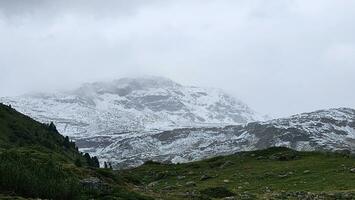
<point x="108" y="117"/>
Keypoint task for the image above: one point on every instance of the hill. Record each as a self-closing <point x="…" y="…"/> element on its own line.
<point x="37" y="162"/>
<point x="274" y="173"/>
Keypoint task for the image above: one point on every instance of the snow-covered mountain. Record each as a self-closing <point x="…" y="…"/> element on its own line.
<point x="131" y="120"/>
<point x="98" y="115"/>
<point x="332" y="130"/>
<point x="133" y="104"/>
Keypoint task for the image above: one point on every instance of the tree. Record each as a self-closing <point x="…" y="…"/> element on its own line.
<point x="66" y="142"/>
<point x="105" y="165"/>
<point x="78" y="162"/>
<point x="92" y="162"/>
<point x="96" y="162"/>
<point x="52" y="127"/>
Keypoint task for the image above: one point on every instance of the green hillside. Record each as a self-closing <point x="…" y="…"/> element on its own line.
<point x="275" y="173"/>
<point x="36" y="161"/>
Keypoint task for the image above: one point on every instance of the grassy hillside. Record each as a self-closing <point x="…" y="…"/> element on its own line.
<point x="275" y="173"/>
<point x="36" y="161"/>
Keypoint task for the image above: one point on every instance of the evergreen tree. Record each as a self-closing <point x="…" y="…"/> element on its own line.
<point x="66" y="142"/>
<point x="96" y="162"/>
<point x="52" y="127"/>
<point x="78" y="162"/>
<point x="105" y="165"/>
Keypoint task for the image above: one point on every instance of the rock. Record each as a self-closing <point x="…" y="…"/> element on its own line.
<point x="306" y="171"/>
<point x="205" y="177"/>
<point x="260" y="158"/>
<point x="191" y="184"/>
<point x="153" y="184"/>
<point x="181" y="177"/>
<point x="267" y="190"/>
<point x="226" y="164"/>
<point x="226" y="181"/>
<point x="94" y="183"/>
<point x="284" y="156"/>
<point x="169" y="187"/>
<point x="283" y="175"/>
<point x="352" y="170"/>
<point x="229" y="198"/>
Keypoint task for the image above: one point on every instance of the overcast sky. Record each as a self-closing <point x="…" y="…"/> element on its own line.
<point x="279" y="56"/>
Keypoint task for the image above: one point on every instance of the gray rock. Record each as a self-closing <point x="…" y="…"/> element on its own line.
<point x="191" y="184"/>
<point x="205" y="177"/>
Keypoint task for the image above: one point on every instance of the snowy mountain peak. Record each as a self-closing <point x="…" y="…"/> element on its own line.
<point x="134" y="104"/>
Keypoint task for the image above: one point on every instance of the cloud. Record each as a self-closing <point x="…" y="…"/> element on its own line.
<point x="279" y="56"/>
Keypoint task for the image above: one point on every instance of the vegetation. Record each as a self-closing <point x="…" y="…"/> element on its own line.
<point x="275" y="173"/>
<point x="37" y="162"/>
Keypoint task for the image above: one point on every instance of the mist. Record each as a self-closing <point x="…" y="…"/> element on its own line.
<point x="281" y="57"/>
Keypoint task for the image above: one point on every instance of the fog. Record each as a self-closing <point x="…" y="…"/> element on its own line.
<point x="281" y="57"/>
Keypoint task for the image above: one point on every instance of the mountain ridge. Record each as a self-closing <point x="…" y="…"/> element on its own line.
<point x="322" y="130"/>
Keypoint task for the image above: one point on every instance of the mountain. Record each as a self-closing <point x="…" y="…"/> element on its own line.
<point x="99" y="115"/>
<point x="133" y="104"/>
<point x="323" y="130"/>
<point x="130" y="121"/>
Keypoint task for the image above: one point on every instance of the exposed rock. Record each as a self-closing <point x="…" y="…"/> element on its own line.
<point x="153" y="184"/>
<point x="205" y="177"/>
<point x="93" y="183"/>
<point x="226" y="164"/>
<point x="181" y="177"/>
<point x="190" y="184"/>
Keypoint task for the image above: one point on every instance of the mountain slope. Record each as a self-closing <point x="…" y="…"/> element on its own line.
<point x="332" y="129"/>
<point x="37" y="162"/>
<point x="274" y="174"/>
<point x="136" y="104"/>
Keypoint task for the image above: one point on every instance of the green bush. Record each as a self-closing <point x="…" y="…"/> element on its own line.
<point x="217" y="192"/>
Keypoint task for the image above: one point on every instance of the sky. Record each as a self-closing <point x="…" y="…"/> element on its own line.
<point x="281" y="57"/>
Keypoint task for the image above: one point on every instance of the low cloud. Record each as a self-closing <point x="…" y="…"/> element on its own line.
<point x="281" y="56"/>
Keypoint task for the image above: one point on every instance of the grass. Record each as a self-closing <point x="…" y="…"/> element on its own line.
<point x="256" y="173"/>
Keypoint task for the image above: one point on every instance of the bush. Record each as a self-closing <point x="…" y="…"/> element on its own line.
<point x="217" y="192"/>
